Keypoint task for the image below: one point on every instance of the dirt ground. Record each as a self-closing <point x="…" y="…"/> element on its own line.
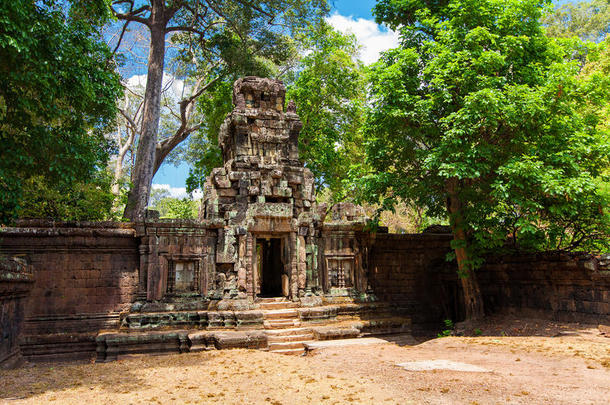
<point x="529" y="362"/>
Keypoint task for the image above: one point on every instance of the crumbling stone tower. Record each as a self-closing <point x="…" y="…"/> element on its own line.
<point x="263" y="197"/>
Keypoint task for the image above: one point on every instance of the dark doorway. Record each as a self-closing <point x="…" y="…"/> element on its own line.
<point x="270" y="266"/>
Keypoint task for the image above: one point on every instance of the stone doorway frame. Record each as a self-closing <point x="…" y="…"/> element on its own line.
<point x="288" y="253"/>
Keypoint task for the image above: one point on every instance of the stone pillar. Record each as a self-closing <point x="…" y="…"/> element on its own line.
<point x="294" y="284"/>
<point x="250" y="252"/>
<point x="143" y="270"/>
<point x="153" y="268"/>
<point x="301" y="264"/>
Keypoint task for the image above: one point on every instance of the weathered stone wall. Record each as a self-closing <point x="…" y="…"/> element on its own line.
<point x="410" y="272"/>
<point x="568" y="287"/>
<point x="85" y="274"/>
<point x="16" y="281"/>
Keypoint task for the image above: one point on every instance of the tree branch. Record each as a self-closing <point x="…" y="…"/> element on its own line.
<point x="131" y="15"/>
<point x="185" y="29"/>
<point x="118" y="44"/>
<point x="130" y="121"/>
<point x="260" y="10"/>
<point x="165" y="146"/>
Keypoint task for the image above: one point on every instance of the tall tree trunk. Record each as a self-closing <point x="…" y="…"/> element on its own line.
<point x="142" y="175"/>
<point x="118" y="166"/>
<point x="473" y="300"/>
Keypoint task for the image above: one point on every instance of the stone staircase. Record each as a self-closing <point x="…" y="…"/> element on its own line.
<point x="282" y="326"/>
<point x="289" y="341"/>
<point x="273" y="324"/>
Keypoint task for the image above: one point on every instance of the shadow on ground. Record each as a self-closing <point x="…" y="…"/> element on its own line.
<point x="35" y="379"/>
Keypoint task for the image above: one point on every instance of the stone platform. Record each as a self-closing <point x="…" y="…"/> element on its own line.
<point x="276" y="325"/>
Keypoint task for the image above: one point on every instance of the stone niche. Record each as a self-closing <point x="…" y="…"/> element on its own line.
<point x="176" y="259"/>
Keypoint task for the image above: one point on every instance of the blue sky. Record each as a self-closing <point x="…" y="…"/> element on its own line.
<point x="356" y="8"/>
<point x="352" y="15"/>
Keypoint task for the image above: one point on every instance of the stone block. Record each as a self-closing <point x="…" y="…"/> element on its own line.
<point x="235" y="175"/>
<point x="227" y="192"/>
<point x="245" y="339"/>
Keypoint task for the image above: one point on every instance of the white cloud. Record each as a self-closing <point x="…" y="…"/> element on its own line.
<point x="178" y="192"/>
<point x="373" y="37"/>
<point x="173" y="88"/>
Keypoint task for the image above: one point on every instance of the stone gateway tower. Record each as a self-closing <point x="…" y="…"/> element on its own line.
<point x="260" y="232"/>
<point x="264" y="198"/>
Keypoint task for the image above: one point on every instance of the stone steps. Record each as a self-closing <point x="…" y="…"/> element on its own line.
<point x="282" y="336"/>
<point x="276" y="325"/>
<point x="281" y="323"/>
<point x="289" y="338"/>
<point x="278" y="305"/>
<point x="286" y="339"/>
<point x="271" y="299"/>
<point x="280" y="314"/>
<point x="288" y="332"/>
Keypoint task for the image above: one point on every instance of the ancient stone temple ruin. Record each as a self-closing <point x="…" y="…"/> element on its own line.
<point x="263" y="267"/>
<point x="261" y="232"/>
<point x="272" y="241"/>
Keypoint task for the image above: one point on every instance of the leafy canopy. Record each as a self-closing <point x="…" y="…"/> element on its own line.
<point x="589" y="20"/>
<point x="479" y="101"/>
<point x="328" y="89"/>
<point x="57" y="94"/>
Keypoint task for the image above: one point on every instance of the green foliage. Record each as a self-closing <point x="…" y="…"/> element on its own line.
<point x="448" y="331"/>
<point x="176" y="208"/>
<point x="57" y="95"/>
<point x="203" y="152"/>
<point x="329" y="91"/>
<point x="91" y="200"/>
<point x="589" y="20"/>
<point x="477" y="96"/>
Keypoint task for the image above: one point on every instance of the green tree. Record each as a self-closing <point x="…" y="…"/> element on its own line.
<point x="203" y="153"/>
<point x="213" y="37"/>
<point x="589" y="20"/>
<point x="481" y="117"/>
<point x="89" y="200"/>
<point x="176" y="208"/>
<point x="329" y="91"/>
<point x="57" y="95"/>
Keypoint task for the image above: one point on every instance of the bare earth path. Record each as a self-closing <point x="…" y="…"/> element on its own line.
<point x="570" y="364"/>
